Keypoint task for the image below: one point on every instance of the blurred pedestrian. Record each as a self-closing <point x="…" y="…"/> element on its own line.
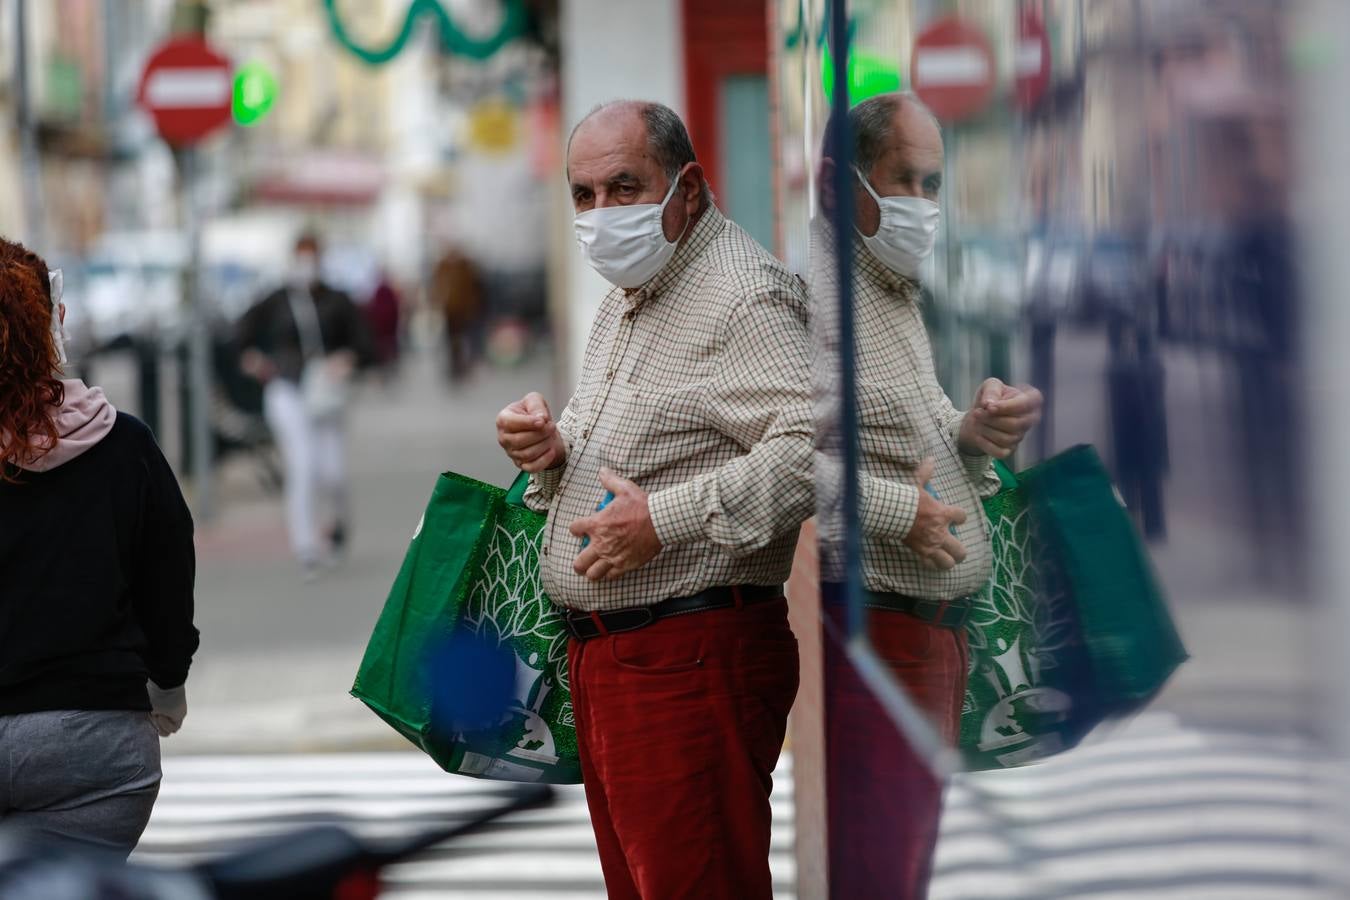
<point x="457" y="290"/>
<point x="926" y="466"/>
<point x="384" y="317"/>
<point x="97" y="569"/>
<point x="693" y="416"/>
<point x="1135" y="384"/>
<point x="304" y="343"/>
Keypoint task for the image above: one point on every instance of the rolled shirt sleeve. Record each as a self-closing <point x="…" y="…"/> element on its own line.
<point x="979" y="467"/>
<point x="543" y="486"/>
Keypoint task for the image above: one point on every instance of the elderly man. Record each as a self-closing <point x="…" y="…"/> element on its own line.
<point x="925" y="468"/>
<point x="692" y="426"/>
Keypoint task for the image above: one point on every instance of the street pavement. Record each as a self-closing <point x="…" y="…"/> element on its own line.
<point x="278" y="655"/>
<point x="1158" y="810"/>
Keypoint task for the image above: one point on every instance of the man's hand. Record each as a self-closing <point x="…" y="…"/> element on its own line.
<point x="622" y="535"/>
<point x="930" y="538"/>
<point x="255" y="364"/>
<point x="341" y="364"/>
<point x="528" y="434"/>
<point x="999" y="418"/>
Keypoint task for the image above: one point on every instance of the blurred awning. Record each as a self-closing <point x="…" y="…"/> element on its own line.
<point x="322" y="178"/>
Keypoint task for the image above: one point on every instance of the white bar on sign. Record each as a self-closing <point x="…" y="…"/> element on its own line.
<point x="188" y="88"/>
<point x="1028" y="57"/>
<point x="951" y="67"/>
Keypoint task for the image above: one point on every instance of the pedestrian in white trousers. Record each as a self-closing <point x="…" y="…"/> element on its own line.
<point x="303" y="341"/>
<point x="314" y="454"/>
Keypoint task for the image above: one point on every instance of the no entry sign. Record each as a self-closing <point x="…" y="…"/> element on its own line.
<point x="187" y="88"/>
<point x="1032" y="67"/>
<point x="952" y="69"/>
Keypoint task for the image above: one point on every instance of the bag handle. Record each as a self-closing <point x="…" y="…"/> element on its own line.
<point x="1007" y="480"/>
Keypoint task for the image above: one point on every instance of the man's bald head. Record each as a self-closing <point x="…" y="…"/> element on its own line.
<point x="879" y="122"/>
<point x="667" y="138"/>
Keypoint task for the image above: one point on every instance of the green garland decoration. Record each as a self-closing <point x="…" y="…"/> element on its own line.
<point x="453" y="40"/>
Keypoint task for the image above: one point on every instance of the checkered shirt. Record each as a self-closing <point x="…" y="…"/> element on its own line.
<point x="697" y="387"/>
<point x="904" y="416"/>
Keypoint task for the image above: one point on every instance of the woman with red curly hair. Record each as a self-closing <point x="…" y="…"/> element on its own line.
<point x="96" y="582"/>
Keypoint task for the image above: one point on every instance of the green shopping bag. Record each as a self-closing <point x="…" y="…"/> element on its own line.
<point x="473" y="567"/>
<point x="1072" y="628"/>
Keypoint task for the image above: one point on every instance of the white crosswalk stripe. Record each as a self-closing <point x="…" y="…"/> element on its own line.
<point x="1157" y="810"/>
<point x="211" y="804"/>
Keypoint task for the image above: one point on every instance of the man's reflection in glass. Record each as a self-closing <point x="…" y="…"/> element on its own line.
<point x="925" y="467"/>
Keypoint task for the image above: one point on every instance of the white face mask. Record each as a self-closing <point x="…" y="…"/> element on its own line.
<point x="907" y="232"/>
<point x="626" y="244"/>
<point x="57" y="282"/>
<point x="306" y="271"/>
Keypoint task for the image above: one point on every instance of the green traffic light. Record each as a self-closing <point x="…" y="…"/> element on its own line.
<point x="255" y="92"/>
<point x="868" y="75"/>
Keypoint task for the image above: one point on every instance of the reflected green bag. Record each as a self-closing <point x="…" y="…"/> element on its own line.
<point x="474" y="565"/>
<point x="1072" y="628"/>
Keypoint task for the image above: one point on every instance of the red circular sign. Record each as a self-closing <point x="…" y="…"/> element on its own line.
<point x="1031" y="60"/>
<point x="187" y="88"/>
<point x="952" y="69"/>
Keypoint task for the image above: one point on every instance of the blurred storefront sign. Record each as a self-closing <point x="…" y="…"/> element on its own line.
<point x="869" y="74"/>
<point x="493" y="127"/>
<point x="255" y="93"/>
<point x="323" y="178"/>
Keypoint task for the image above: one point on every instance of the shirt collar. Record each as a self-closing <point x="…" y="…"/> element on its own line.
<point x="872" y="270"/>
<point x="699" y="237"/>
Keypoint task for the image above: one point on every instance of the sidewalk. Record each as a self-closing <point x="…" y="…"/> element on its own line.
<point x="278" y="655"/>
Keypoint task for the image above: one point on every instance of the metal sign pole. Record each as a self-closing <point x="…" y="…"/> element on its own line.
<point x="199" y="342"/>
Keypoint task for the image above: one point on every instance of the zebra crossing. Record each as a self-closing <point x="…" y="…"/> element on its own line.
<point x="1157" y="810"/>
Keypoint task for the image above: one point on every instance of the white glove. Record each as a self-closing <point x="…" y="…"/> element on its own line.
<point x="168" y="707"/>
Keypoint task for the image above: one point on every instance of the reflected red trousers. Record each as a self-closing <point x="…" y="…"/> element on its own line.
<point x="883" y="805"/>
<point x="680" y="725"/>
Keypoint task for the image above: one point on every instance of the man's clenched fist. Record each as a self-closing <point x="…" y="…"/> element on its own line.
<point x="528" y="434"/>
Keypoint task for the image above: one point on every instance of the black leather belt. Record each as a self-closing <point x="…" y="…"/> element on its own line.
<point x="946" y="613"/>
<point x="586" y="625"/>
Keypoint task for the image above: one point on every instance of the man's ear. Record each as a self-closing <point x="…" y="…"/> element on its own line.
<point x="691" y="186"/>
<point x="825" y="178"/>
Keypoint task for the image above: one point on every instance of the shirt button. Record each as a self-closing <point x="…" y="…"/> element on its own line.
<point x="609" y="376"/>
<point x="586" y="433"/>
<point x="544" y="551"/>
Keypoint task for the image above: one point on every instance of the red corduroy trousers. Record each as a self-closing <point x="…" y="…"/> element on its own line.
<point x="884" y="805"/>
<point x="680" y="725"/>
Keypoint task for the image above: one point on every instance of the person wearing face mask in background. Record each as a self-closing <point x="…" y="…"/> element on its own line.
<point x="924" y="469"/>
<point x="693" y="411"/>
<point x="96" y="586"/>
<point x="304" y="342"/>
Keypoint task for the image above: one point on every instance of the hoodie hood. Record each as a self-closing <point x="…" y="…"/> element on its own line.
<point x="85" y="418"/>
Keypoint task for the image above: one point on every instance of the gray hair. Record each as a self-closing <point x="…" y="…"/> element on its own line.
<point x="667" y="138"/>
<point x="870" y="124"/>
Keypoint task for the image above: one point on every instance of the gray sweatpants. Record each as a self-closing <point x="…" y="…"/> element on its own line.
<point x="86" y="776"/>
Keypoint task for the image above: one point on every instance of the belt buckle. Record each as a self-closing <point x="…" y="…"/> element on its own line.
<point x="570" y="625"/>
<point x="929" y="611"/>
<point x="963" y="609"/>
